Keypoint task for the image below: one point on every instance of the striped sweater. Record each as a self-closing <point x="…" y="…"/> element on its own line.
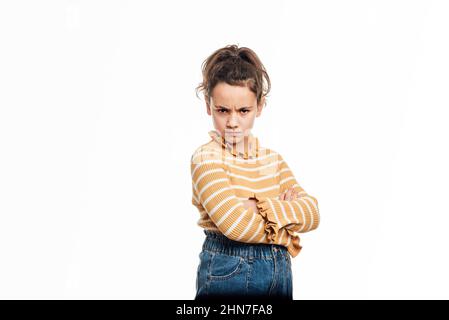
<point x="222" y="177"/>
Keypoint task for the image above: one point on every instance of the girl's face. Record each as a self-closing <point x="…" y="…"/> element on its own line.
<point x="233" y="110"/>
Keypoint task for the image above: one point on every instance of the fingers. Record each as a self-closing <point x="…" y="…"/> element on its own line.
<point x="294" y="195"/>
<point x="289" y="194"/>
<point x="282" y="196"/>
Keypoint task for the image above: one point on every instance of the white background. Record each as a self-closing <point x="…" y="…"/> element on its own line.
<point x="99" y="119"/>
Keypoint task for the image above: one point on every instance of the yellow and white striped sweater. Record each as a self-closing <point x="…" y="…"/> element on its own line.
<point x="222" y="177"/>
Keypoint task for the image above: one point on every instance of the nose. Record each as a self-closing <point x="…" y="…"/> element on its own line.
<point x="232" y="122"/>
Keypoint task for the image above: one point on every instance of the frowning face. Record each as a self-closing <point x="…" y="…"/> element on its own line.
<point x="233" y="110"/>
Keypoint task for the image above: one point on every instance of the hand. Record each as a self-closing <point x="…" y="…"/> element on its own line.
<point x="250" y="203"/>
<point x="289" y="194"/>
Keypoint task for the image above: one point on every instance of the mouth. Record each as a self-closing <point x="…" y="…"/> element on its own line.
<point x="228" y="133"/>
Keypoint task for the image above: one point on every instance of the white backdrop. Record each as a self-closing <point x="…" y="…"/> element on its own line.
<point x="99" y="119"/>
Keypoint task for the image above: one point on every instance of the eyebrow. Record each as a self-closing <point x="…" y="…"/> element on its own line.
<point x="223" y="107"/>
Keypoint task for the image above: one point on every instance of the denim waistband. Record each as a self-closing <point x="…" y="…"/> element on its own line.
<point x="218" y="242"/>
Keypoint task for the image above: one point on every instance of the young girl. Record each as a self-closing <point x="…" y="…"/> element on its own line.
<point x="251" y="206"/>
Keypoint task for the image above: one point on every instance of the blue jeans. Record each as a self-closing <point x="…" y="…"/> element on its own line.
<point x="231" y="269"/>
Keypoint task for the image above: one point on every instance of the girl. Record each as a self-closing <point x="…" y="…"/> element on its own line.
<point x="251" y="206"/>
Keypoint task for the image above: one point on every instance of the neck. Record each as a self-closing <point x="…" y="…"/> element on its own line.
<point x="243" y="145"/>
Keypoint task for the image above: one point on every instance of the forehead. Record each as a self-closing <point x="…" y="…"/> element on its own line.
<point x="233" y="96"/>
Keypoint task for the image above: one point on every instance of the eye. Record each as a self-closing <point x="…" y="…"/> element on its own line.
<point x="245" y="111"/>
<point x="222" y="110"/>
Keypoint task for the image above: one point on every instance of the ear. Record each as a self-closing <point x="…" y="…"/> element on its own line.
<point x="208" y="106"/>
<point x="260" y="106"/>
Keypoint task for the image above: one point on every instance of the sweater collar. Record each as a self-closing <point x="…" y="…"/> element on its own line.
<point x="246" y="151"/>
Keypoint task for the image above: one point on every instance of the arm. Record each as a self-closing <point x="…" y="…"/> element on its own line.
<point x="299" y="215"/>
<point x="215" y="193"/>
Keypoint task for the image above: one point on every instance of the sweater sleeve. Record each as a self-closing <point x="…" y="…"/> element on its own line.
<point x="300" y="215"/>
<point x="215" y="193"/>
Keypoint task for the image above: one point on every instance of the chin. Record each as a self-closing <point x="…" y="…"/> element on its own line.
<point x="234" y="141"/>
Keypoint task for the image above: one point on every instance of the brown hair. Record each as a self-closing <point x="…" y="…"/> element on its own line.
<point x="234" y="66"/>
